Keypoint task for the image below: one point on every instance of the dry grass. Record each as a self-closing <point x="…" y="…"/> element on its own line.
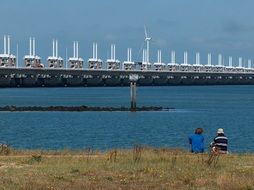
<point x="140" y="168"/>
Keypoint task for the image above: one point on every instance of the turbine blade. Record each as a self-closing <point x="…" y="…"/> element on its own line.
<point x="145" y="31"/>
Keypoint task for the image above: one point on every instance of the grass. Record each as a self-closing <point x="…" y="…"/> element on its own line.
<point x="140" y="168"/>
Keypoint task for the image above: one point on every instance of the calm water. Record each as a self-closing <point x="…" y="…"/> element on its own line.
<point x="210" y="107"/>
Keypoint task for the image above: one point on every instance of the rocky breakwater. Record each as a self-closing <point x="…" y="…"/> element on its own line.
<point x="79" y="108"/>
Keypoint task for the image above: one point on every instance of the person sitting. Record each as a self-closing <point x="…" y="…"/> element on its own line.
<point x="220" y="142"/>
<point x="197" y="141"/>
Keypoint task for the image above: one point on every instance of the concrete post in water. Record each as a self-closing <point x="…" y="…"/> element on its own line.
<point x="133" y="96"/>
<point x="133" y="87"/>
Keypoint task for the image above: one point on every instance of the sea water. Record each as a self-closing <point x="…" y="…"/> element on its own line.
<point x="209" y="107"/>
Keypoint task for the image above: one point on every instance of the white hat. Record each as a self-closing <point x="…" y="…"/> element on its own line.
<point x="220" y="131"/>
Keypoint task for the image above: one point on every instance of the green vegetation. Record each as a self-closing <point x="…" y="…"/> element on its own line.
<point x="140" y="168"/>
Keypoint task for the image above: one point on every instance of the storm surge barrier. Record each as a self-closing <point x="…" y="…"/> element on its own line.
<point x="24" y="77"/>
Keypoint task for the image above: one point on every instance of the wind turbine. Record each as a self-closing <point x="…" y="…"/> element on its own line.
<point x="147" y="40"/>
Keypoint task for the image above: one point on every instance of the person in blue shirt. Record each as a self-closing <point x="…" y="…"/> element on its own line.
<point x="197" y="141"/>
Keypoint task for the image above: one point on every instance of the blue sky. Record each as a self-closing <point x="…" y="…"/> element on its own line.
<point x="217" y="26"/>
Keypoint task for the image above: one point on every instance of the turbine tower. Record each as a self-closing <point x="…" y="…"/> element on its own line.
<point x="147" y="40"/>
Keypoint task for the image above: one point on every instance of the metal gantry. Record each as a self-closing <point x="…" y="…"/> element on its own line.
<point x="32" y="60"/>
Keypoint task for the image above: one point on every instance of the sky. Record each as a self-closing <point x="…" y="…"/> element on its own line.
<point x="216" y="26"/>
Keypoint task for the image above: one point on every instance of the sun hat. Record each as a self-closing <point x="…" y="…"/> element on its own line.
<point x="220" y="131"/>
